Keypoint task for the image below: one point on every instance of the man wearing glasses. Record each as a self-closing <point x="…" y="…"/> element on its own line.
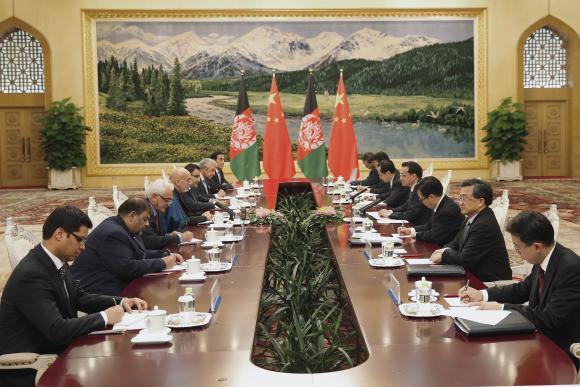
<point x="479" y="245"/>
<point x="552" y="290"/>
<point x="115" y="253"/>
<point x="159" y="196"/>
<point x="185" y="199"/>
<point x="40" y="301"/>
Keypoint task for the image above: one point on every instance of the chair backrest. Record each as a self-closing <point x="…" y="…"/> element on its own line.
<point x="428" y="171"/>
<point x="553" y="217"/>
<point x="118" y="197"/>
<point x="97" y="212"/>
<point x="500" y="207"/>
<point x="164" y="175"/>
<point x="18" y="242"/>
<point x="146" y="182"/>
<point x="445" y="181"/>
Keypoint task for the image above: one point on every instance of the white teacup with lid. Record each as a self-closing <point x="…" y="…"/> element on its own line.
<point x="155" y="322"/>
<point x="423" y="294"/>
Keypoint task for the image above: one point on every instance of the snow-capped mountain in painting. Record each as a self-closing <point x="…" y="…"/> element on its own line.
<point x="257" y="52"/>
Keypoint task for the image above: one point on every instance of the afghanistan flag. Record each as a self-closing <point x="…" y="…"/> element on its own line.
<point x="342" y="149"/>
<point x="244" y="159"/>
<point x="311" y="149"/>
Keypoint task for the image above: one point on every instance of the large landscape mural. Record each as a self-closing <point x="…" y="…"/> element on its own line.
<point x="168" y="89"/>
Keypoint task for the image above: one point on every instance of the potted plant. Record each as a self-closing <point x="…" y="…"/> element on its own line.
<point x="505" y="132"/>
<point x="62" y="142"/>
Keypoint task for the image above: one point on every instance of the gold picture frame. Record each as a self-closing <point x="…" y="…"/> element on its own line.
<point x="90" y="17"/>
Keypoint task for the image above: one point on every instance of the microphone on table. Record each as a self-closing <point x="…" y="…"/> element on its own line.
<point x="225" y="208"/>
<point x="358" y="194"/>
<point x="381" y="198"/>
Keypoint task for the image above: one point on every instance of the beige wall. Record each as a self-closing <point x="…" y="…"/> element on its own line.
<point x="60" y="22"/>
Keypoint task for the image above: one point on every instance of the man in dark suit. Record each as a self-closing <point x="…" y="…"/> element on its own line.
<point x="412" y="210"/>
<point x="159" y="196"/>
<point x="373" y="177"/>
<point x="195" y="210"/>
<point x="195" y="180"/>
<point x="446" y="218"/>
<point x="39" y="305"/>
<point x="208" y="168"/>
<point x="219" y="180"/>
<point x="115" y="254"/>
<point x="397" y="194"/>
<point x="552" y="289"/>
<point x="380" y="187"/>
<point x="479" y="245"/>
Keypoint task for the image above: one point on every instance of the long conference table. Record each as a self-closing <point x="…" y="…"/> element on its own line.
<point x="402" y="351"/>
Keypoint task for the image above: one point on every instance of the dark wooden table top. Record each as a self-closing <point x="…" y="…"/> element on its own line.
<point x="403" y="351"/>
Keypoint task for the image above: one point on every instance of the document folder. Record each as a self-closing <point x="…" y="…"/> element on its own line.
<point x="435" y="270"/>
<point x="514" y="324"/>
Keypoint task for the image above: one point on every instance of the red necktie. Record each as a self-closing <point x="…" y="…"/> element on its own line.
<point x="540" y="280"/>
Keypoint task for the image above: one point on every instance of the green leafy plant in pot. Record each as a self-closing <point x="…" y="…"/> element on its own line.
<point x="505" y="133"/>
<point x="62" y="142"/>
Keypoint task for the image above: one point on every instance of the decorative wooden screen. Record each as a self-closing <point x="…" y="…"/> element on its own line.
<point x="21" y="63"/>
<point x="545" y="60"/>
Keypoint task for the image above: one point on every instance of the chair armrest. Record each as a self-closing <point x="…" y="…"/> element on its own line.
<point x="575" y="349"/>
<point x="20" y="358"/>
<point x="27" y="360"/>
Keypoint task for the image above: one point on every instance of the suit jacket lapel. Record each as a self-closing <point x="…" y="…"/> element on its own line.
<point x="63" y="301"/>
<point x="550" y="272"/>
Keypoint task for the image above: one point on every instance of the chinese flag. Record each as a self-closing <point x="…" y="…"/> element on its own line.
<point x="342" y="149"/>
<point x="278" y="160"/>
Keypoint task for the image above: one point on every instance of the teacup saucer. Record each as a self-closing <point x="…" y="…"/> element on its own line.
<point x="193" y="277"/>
<point x="209" y="245"/>
<point x="152" y="339"/>
<point x="145" y="332"/>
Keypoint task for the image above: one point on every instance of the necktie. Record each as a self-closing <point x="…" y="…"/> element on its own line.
<point x="540" y="280"/>
<point x="219" y="176"/>
<point x="465" y="231"/>
<point x="62" y="274"/>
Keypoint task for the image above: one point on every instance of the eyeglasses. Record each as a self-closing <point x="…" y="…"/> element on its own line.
<point x="403" y="174"/>
<point x="166" y="200"/>
<point x="463" y="198"/>
<point x="79" y="239"/>
<point x="422" y="198"/>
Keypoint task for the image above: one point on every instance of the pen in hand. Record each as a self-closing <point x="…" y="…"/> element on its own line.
<point x="464" y="290"/>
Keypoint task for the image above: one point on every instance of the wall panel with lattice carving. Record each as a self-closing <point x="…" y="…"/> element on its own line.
<point x="21" y="63"/>
<point x="545" y="60"/>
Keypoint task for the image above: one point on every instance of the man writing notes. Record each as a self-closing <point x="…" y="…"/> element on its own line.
<point x="115" y="253"/>
<point x="445" y="219"/>
<point x="39" y="305"/>
<point x="159" y="196"/>
<point x="479" y="245"/>
<point x="219" y="180"/>
<point x="397" y="194"/>
<point x="552" y="289"/>
<point x="208" y="168"/>
<point x="412" y="210"/>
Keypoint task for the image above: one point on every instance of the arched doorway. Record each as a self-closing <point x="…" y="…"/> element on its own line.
<point x="548" y="52"/>
<point x="24" y="97"/>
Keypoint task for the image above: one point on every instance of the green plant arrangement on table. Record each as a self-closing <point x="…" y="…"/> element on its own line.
<point x="63" y="138"/>
<point x="305" y="323"/>
<point x="327" y="214"/>
<point x="505" y="139"/>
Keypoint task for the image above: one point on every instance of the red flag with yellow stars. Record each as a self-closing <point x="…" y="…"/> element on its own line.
<point x="278" y="160"/>
<point x="342" y="149"/>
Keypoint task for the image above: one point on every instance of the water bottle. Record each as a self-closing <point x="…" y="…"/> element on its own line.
<point x="187" y="302"/>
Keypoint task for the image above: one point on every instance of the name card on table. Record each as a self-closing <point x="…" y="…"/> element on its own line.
<point x="394" y="289"/>
<point x="215" y="297"/>
<point x="368" y="249"/>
